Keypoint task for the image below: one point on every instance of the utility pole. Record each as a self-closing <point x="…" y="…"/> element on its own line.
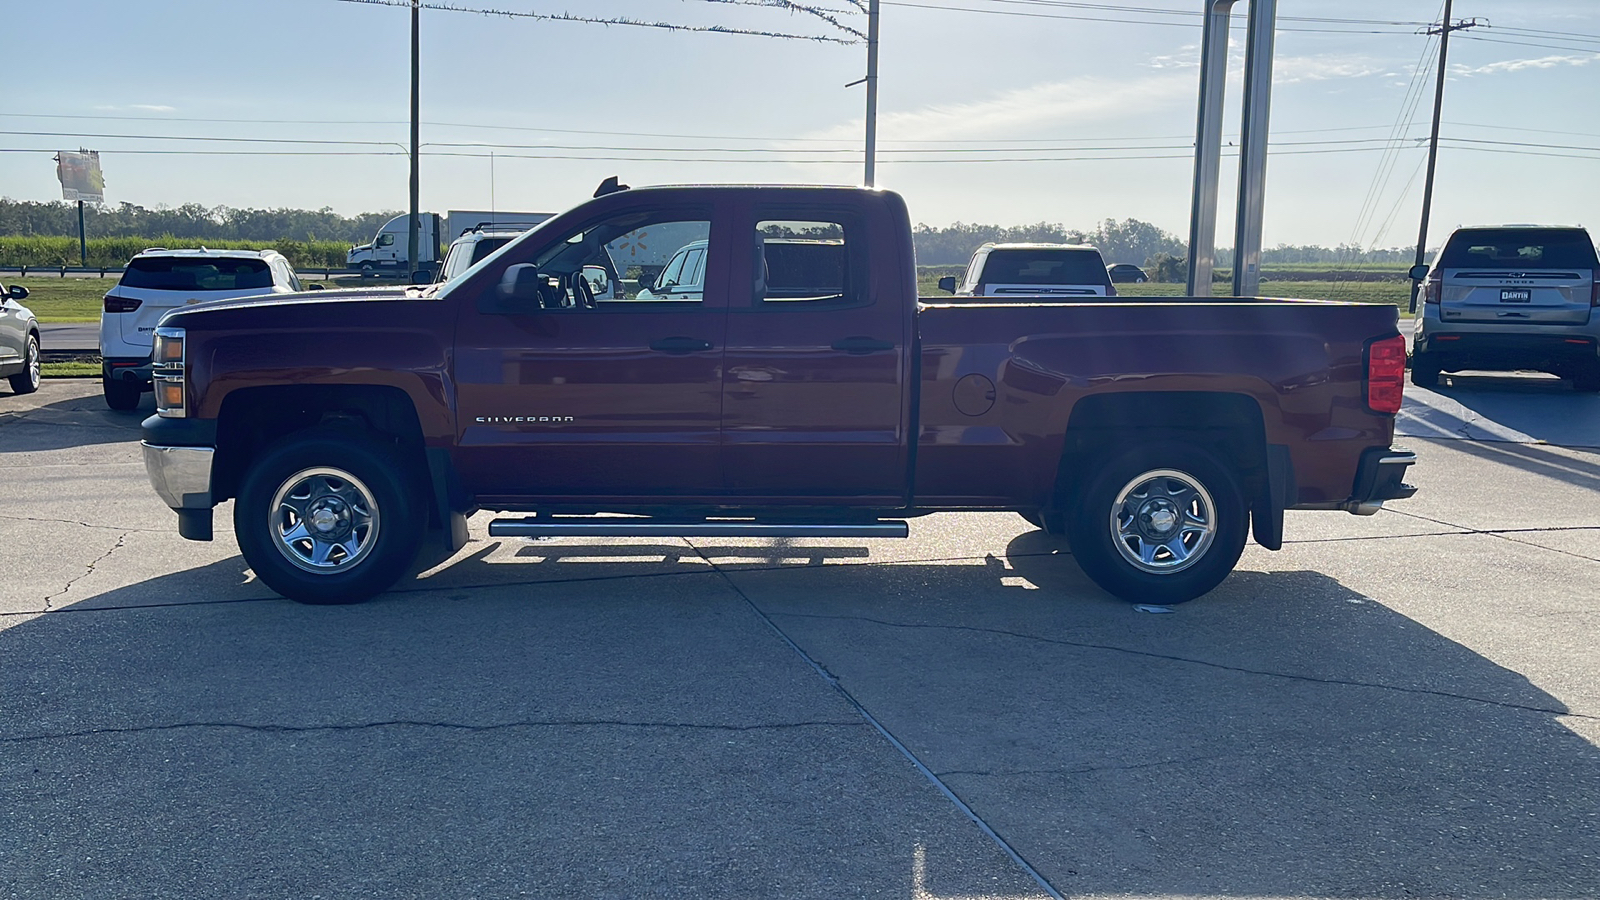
<point x="411" y="260"/>
<point x="1443" y="31"/>
<point x="872" y="91"/>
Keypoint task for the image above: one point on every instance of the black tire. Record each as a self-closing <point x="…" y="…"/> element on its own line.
<point x="1211" y="547"/>
<point x="121" y="394"/>
<point x="367" y="271"/>
<point x="27" y="381"/>
<point x="347" y="477"/>
<point x="1424" y="371"/>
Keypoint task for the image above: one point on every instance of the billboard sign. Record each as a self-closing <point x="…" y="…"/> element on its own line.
<point x="80" y="176"/>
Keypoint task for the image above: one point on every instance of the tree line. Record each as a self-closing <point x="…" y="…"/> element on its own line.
<point x="191" y="221"/>
<point x="1127" y="241"/>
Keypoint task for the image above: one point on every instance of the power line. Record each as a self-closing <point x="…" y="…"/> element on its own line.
<point x="598" y="20"/>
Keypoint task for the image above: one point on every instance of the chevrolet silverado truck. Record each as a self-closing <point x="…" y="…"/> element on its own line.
<point x="791" y="395"/>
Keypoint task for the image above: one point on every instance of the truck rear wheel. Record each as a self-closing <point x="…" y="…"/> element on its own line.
<point x="1161" y="523"/>
<point x="329" y="516"/>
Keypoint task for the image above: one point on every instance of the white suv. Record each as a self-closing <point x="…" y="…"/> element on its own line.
<point x="158" y="280"/>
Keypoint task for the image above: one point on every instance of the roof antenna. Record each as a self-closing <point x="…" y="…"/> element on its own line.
<point x="609" y="186"/>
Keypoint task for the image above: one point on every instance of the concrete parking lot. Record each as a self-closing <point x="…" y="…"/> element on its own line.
<point x="1400" y="706"/>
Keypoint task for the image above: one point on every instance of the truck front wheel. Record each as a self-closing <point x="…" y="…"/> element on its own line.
<point x="329" y="516"/>
<point x="1161" y="523"/>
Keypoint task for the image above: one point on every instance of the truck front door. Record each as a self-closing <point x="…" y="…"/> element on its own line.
<point x="576" y="397"/>
<point x="816" y="366"/>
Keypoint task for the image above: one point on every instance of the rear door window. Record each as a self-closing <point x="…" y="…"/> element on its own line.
<point x="166" y="273"/>
<point x="1519" y="248"/>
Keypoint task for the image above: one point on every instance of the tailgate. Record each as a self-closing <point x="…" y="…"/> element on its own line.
<point x="1550" y="297"/>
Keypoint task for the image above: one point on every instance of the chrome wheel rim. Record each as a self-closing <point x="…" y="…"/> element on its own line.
<point x="323" y="520"/>
<point x="33" y="362"/>
<point x="1163" y="521"/>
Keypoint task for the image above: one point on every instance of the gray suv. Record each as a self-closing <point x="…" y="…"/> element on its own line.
<point x="1510" y="297"/>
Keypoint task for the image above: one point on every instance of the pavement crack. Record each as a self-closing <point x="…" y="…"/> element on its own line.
<point x="1147" y="654"/>
<point x="87" y="570"/>
<point x="269" y="728"/>
<point x="122" y="528"/>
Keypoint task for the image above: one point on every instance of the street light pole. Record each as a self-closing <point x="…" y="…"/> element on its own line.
<point x="872" y="91"/>
<point x="411" y="259"/>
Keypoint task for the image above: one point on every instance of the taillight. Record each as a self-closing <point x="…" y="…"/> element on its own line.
<point x="1430" y="291"/>
<point x="120" y="304"/>
<point x="1386" y="374"/>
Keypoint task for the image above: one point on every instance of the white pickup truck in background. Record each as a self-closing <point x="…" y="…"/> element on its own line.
<point x="1071" y="270"/>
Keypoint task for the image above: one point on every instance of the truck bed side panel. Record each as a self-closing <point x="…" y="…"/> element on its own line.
<point x="1302" y="362"/>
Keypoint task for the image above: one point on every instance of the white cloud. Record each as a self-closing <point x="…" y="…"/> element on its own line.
<point x="1518" y="65"/>
<point x="1035" y="108"/>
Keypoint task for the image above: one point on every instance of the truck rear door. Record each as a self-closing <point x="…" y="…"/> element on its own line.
<point x="815" y="371"/>
<point x="580" y="397"/>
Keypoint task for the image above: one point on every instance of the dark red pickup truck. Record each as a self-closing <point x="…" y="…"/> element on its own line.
<point x="779" y="377"/>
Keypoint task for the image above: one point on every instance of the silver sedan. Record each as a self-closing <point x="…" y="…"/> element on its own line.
<point x="19" y="341"/>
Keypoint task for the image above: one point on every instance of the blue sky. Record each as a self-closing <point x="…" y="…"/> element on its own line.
<point x="996" y="111"/>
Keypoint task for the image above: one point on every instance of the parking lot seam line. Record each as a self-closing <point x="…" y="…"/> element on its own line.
<point x="894" y="742"/>
<point x="88" y="569"/>
<point x="1502" y="534"/>
<point x="1085" y="770"/>
<point x="1112" y="648"/>
<point x="1375" y="537"/>
<point x="412" y="723"/>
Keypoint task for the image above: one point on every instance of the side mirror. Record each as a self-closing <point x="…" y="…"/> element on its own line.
<point x="17" y="292"/>
<point x="520" y="291"/>
<point x="1418" y="272"/>
<point x="315" y="286"/>
<point x="599" y="280"/>
<point x="422" y="276"/>
<point x="948" y="284"/>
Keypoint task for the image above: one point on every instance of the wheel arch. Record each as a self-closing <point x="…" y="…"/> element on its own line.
<point x="251" y="419"/>
<point x="1230" y="426"/>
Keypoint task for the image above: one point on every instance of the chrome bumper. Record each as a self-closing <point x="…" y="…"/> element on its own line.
<point x="181" y="475"/>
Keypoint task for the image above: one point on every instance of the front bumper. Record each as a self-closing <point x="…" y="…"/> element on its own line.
<point x="180" y="475"/>
<point x="1379" y="477"/>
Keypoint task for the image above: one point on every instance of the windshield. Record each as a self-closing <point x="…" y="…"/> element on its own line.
<point x="1044" y="266"/>
<point x="168" y="273"/>
<point x="478" y="262"/>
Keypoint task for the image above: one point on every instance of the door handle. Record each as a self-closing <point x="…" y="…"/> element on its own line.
<point x="680" y="345"/>
<point x="861" y="344"/>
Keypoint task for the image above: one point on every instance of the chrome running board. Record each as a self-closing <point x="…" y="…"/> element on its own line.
<point x="581" y="526"/>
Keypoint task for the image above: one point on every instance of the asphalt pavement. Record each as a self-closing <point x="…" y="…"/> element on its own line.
<point x="1400" y="706"/>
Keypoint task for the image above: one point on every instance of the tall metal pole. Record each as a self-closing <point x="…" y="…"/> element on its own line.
<point x="872" y="91"/>
<point x="83" y="242"/>
<point x="1208" y="147"/>
<point x="1433" y="142"/>
<point x="1253" y="148"/>
<point x="411" y="259"/>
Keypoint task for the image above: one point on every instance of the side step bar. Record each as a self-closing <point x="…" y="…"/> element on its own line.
<point x="622" y="527"/>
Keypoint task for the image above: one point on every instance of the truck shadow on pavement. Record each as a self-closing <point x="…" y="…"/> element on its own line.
<point x="612" y="732"/>
<point x="63" y="424"/>
<point x="1501" y="408"/>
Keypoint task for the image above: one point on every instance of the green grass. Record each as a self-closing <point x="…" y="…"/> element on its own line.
<point x="75" y="369"/>
<point x="64" y="299"/>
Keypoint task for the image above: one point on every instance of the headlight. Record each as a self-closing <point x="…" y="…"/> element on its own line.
<point x="167" y="367"/>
